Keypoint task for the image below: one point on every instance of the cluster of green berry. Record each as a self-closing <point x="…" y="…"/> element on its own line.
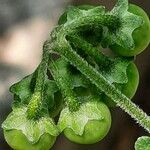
<point x="86" y="81"/>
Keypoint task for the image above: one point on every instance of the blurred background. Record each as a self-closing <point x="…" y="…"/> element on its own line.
<point x="24" y="26"/>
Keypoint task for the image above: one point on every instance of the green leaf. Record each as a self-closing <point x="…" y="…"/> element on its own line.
<point x="128" y="23"/>
<point x="143" y="143"/>
<point x="78" y="119"/>
<point x="32" y="129"/>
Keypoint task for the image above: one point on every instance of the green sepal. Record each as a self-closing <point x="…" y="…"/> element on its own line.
<point x="50" y="89"/>
<point x="128" y="23"/>
<point x="115" y="70"/>
<point x="143" y="143"/>
<point x="76" y="12"/>
<point x="77" y="120"/>
<point x="75" y="77"/>
<point x="79" y="81"/>
<point x="24" y="89"/>
<point x="73" y="13"/>
<point x="32" y="129"/>
<point x="92" y="35"/>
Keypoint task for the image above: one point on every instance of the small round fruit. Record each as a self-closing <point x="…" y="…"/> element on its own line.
<point x="95" y="130"/>
<point x="141" y="35"/>
<point x="130" y="88"/>
<point x="18" y="141"/>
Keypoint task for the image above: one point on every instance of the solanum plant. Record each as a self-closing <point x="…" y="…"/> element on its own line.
<point x="86" y="81"/>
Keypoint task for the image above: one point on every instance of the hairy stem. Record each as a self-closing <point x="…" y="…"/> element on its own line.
<point x="96" y="78"/>
<point x="35" y="104"/>
<point x="62" y="77"/>
<point x="110" y="21"/>
<point x="88" y="48"/>
<point x="62" y="46"/>
<point x="42" y="69"/>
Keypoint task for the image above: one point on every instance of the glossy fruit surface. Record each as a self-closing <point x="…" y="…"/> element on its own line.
<point x="18" y="141"/>
<point x="129" y="89"/>
<point x="141" y="35"/>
